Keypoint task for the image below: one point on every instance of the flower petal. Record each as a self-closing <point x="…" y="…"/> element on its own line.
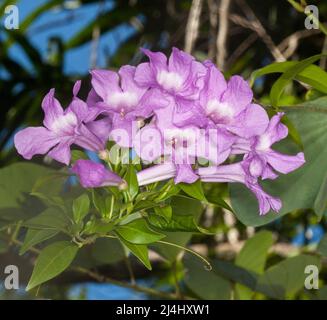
<point x="238" y="94"/>
<point x="52" y="109"/>
<point x="128" y="84"/>
<point x="87" y="139"/>
<point x="34" y="140"/>
<point x="266" y="201"/>
<point x="214" y="84"/>
<point x="105" y="83"/>
<point x="180" y="62"/>
<point x="101" y="128"/>
<point x="148" y="143"/>
<point x="284" y="163"/>
<point x="158" y="61"/>
<point x="144" y="75"/>
<point x="251" y="122"/>
<point x="185" y="174"/>
<point x="61" y="152"/>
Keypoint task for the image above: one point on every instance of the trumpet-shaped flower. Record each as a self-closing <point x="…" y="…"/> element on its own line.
<point x="122" y="97"/>
<point x="229" y="104"/>
<point x="237" y="173"/>
<point x="262" y="159"/>
<point x="62" y="128"/>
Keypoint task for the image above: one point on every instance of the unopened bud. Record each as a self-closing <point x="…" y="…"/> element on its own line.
<point x="104" y="155"/>
<point x="123" y="185"/>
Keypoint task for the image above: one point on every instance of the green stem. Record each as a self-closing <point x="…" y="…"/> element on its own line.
<point x="112" y="203"/>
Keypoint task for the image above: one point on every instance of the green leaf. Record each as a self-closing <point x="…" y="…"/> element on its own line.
<point x="194" y="190"/>
<point x="108" y="251"/>
<point x="164" y="211"/>
<point x="51" y="218"/>
<point x="144" y="205"/>
<point x="320" y="203"/>
<point x="178" y="223"/>
<point x="253" y="257"/>
<point x="102" y="202"/>
<point x="52" y="261"/>
<point x="13" y="189"/>
<point x="279" y="86"/>
<point x="34" y="237"/>
<point x="299" y="189"/>
<point x="138" y="232"/>
<point x="99" y="227"/>
<point x="140" y="251"/>
<point x="287" y="277"/>
<point x="81" y="207"/>
<point x="312" y="75"/>
<point x="180" y="206"/>
<point x="235" y="273"/>
<point x="131" y="179"/>
<point x="322" y="247"/>
<point x="254" y="253"/>
<point x="205" y="284"/>
<point x="220" y="202"/>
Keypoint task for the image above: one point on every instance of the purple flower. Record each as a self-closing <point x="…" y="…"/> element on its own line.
<point x="181" y="146"/>
<point x="237" y="173"/>
<point x="62" y="128"/>
<point x="122" y="97"/>
<point x="94" y="175"/>
<point x="261" y="159"/>
<point x="179" y="77"/>
<point x="228" y="104"/>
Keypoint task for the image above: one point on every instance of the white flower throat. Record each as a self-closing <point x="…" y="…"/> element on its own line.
<point x="64" y="123"/>
<point x="170" y="80"/>
<point x="219" y="109"/>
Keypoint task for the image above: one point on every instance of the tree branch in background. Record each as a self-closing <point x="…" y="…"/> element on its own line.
<point x="290" y="44"/>
<point x="213" y="19"/>
<point x="257" y="26"/>
<point x="247" y="43"/>
<point x="222" y="33"/>
<point x="192" y="27"/>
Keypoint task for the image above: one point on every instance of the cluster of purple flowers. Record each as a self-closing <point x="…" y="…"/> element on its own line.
<point x="178" y="113"/>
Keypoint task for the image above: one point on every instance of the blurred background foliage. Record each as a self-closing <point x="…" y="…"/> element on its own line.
<point x="59" y="41"/>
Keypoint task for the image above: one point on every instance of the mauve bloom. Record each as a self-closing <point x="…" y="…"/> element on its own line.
<point x="229" y="104"/>
<point x="263" y="160"/>
<point x="237" y="173"/>
<point x="62" y="128"/>
<point x="122" y="97"/>
<point x="94" y="175"/>
<point x="179" y="77"/>
<point x="181" y="145"/>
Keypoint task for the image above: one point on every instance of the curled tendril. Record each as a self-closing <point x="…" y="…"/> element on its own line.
<point x="207" y="265"/>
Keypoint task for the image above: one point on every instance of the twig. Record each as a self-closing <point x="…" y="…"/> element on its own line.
<point x="213" y="20"/>
<point x="242" y="48"/>
<point x="289" y="45"/>
<point x="192" y="27"/>
<point x="222" y="33"/>
<point x="257" y="26"/>
<point x="130" y="269"/>
<point x="100" y="278"/>
<point x="149" y="291"/>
